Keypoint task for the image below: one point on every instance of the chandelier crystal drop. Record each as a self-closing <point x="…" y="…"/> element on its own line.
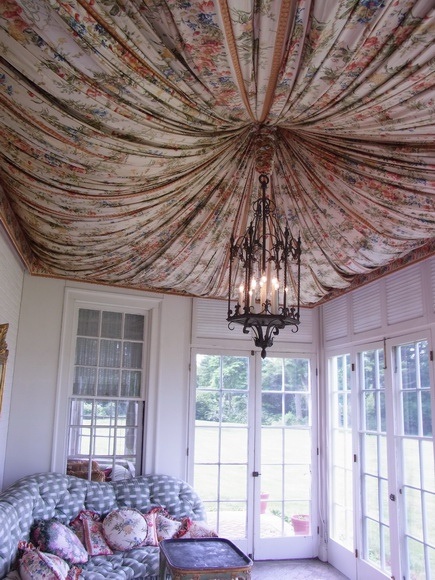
<point x="264" y="275"/>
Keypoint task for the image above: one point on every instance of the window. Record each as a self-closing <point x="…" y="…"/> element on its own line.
<point x="106" y="407"/>
<point x="374" y="477"/>
<point x="341" y="451"/>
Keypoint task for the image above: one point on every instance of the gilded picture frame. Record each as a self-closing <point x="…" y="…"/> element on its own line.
<point x="3" y="359"/>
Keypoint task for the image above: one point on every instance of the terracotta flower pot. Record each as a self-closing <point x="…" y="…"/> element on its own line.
<point x="301" y="524"/>
<point x="264" y="496"/>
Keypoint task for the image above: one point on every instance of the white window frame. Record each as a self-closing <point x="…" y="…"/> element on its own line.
<point x="74" y="299"/>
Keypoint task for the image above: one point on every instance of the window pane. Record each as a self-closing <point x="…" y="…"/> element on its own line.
<point x="134" y="327"/>
<point x="426" y="414"/>
<point x="293" y="453"/>
<point x="108" y="383"/>
<point x="235" y="372"/>
<point x="272" y="409"/>
<point x="410" y="413"/>
<point x="131" y="383"/>
<point x="86" y="352"/>
<point x="234" y="408"/>
<point x="132" y="355"/>
<point x="234" y="445"/>
<point x="85" y="380"/>
<point x="206" y="444"/>
<point x="207" y="406"/>
<point x="110" y="354"/>
<point x="88" y="323"/>
<point x="125" y="441"/>
<point x="296" y="409"/>
<point x="296" y="374"/>
<point x="131" y="410"/>
<point x="272" y="376"/>
<point x="208" y="373"/>
<point x="111" y="326"/>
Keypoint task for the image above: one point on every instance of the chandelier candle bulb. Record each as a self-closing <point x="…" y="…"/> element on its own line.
<point x="274" y="301"/>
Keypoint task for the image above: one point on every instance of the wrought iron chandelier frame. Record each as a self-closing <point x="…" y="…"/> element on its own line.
<point x="270" y="259"/>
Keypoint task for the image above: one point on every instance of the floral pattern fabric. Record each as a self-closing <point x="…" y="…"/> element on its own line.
<point x="125" y="529"/>
<point x="36" y="565"/>
<point x="56" y="538"/>
<point x="88" y="527"/>
<point x="129" y="136"/>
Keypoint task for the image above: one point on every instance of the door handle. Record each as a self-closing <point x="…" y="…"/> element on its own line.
<point x="255" y="473"/>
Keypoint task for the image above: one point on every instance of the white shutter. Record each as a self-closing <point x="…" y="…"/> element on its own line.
<point x="335" y="319"/>
<point x="366" y="308"/>
<point x="210" y="321"/>
<point x="305" y="330"/>
<point x="405" y="295"/>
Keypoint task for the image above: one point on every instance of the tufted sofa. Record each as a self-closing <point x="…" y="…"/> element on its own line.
<point x="53" y="495"/>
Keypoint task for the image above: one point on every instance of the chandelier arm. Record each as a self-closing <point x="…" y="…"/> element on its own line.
<point x="230" y="275"/>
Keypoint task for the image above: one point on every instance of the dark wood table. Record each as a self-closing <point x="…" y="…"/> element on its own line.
<point x="203" y="559"/>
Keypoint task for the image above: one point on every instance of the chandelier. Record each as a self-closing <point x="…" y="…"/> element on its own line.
<point x="264" y="274"/>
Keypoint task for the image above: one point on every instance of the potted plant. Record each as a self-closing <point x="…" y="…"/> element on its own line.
<point x="264" y="496"/>
<point x="301" y="524"/>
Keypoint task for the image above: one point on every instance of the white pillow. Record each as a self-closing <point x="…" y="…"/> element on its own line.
<point x="124" y="529"/>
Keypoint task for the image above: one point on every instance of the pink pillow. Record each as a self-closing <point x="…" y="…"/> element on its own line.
<point x="37" y="565"/>
<point x="54" y="537"/>
<point x="89" y="528"/>
<point x="95" y="541"/>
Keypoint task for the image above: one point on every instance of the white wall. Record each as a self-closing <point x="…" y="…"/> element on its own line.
<point x="173" y="388"/>
<point x="11" y="282"/>
<point x="32" y="432"/>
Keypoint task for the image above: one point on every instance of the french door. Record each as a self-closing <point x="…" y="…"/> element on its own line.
<point x="385" y="456"/>
<point x="252" y="460"/>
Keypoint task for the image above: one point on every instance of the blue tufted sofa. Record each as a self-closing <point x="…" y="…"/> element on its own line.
<point x="54" y="495"/>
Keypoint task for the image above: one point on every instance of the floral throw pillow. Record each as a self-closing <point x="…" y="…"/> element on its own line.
<point x="199" y="530"/>
<point x="166" y="527"/>
<point x="36" y="565"/>
<point x="151" y="537"/>
<point x="89" y="528"/>
<point x="95" y="541"/>
<point x="55" y="537"/>
<point x="125" y="529"/>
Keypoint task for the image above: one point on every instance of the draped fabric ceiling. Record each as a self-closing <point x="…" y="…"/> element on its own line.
<point x="130" y="130"/>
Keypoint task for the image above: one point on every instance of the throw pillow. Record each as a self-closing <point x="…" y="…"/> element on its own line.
<point x="151" y="537"/>
<point x="166" y="527"/>
<point x="184" y="528"/>
<point x="200" y="530"/>
<point x="125" y="529"/>
<point x="95" y="541"/>
<point x="77" y="523"/>
<point x="36" y="565"/>
<point x="55" y="537"/>
<point x="89" y="529"/>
